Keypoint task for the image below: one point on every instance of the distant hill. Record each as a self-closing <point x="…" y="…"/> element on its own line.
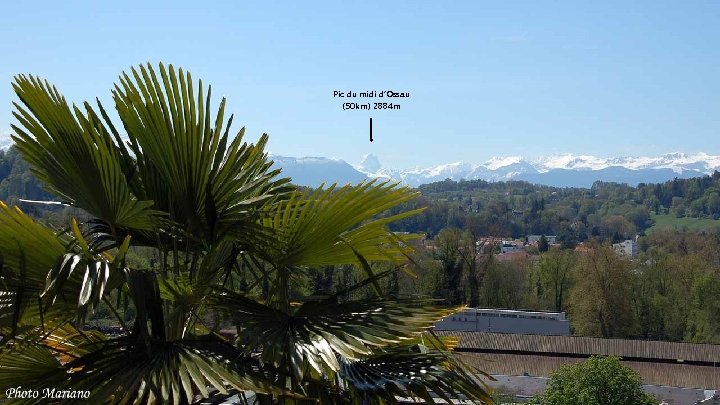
<point x="615" y="174"/>
<point x="313" y="171"/>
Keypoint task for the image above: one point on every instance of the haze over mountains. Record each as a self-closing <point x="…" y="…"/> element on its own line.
<point x="560" y="170"/>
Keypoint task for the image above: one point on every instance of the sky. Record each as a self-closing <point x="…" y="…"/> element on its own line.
<point x="528" y="78"/>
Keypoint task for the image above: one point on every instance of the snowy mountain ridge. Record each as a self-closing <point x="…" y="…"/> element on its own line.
<point x="548" y="170"/>
<point x="561" y="170"/>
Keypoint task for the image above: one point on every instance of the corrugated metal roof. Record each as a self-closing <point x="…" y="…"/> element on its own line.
<point x="664" y="374"/>
<point x="585" y="346"/>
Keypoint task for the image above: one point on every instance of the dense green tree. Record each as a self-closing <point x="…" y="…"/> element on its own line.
<point x="449" y="243"/>
<point x="712" y="204"/>
<point x="555" y="275"/>
<point x="505" y="285"/>
<point x="704" y="318"/>
<point x="601" y="304"/>
<point x="543" y="245"/>
<point x="618" y="227"/>
<point x="596" y="381"/>
<point x="678" y="207"/>
<point x="666" y="282"/>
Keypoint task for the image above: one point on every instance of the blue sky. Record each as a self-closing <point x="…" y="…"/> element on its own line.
<point x="486" y="78"/>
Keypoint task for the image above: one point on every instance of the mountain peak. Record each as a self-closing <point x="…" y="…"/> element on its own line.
<point x="369" y="164"/>
<point x="498" y="162"/>
<point x="5" y="140"/>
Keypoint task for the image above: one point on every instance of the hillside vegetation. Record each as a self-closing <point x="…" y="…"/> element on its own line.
<point x="606" y="211"/>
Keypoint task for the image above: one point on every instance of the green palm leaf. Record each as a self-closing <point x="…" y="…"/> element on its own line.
<point x="185" y="159"/>
<point x="73" y="154"/>
<point x="30" y="366"/>
<point x="28" y="250"/>
<point x="20" y="234"/>
<point x="31" y="283"/>
<point x="171" y="372"/>
<point x="318" y="332"/>
<point x="413" y="372"/>
<point x="334" y="226"/>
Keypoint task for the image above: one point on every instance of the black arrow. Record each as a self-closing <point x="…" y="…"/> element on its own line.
<point x="371" y="130"/>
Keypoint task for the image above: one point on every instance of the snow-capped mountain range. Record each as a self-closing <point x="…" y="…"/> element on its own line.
<point x="565" y="170"/>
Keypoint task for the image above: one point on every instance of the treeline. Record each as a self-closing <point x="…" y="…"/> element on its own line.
<point x="670" y="292"/>
<point x="18" y="183"/>
<point x="697" y="197"/>
<point x="606" y="211"/>
<point x="16" y="180"/>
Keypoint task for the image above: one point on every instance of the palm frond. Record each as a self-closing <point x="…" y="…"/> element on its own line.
<point x="20" y="234"/>
<point x="72" y="152"/>
<point x="333" y="226"/>
<point x="319" y="331"/>
<point x="175" y="372"/>
<point x="413" y="372"/>
<point x="30" y="366"/>
<point x="28" y="250"/>
<point x="185" y="158"/>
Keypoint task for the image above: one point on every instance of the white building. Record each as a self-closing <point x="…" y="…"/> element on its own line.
<point x="628" y="248"/>
<point x="509" y="246"/>
<point x="535" y="239"/>
<point x="506" y="321"/>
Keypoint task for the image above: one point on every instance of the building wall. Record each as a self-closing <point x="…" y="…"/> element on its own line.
<point x="580" y="347"/>
<point x="628" y="248"/>
<point x="506" y="321"/>
<point x="534" y="239"/>
<point x="670" y="364"/>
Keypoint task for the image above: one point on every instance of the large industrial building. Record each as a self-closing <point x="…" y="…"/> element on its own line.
<point x="506" y="321"/>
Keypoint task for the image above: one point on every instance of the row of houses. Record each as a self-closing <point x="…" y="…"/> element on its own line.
<point x="513" y="249"/>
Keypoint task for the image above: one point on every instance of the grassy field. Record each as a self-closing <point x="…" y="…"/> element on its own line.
<point x="667" y="221"/>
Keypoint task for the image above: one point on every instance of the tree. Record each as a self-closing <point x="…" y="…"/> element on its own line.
<point x="449" y="243"/>
<point x="601" y="304"/>
<point x="666" y="287"/>
<point x="543" y="245"/>
<point x="713" y="205"/>
<point x="505" y="285"/>
<point x="705" y="317"/>
<point x="678" y="207"/>
<point x="556" y="274"/>
<point x="228" y="237"/>
<point x="619" y="227"/>
<point x="598" y="380"/>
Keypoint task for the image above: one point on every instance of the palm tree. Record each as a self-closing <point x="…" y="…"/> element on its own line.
<point x="211" y="210"/>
